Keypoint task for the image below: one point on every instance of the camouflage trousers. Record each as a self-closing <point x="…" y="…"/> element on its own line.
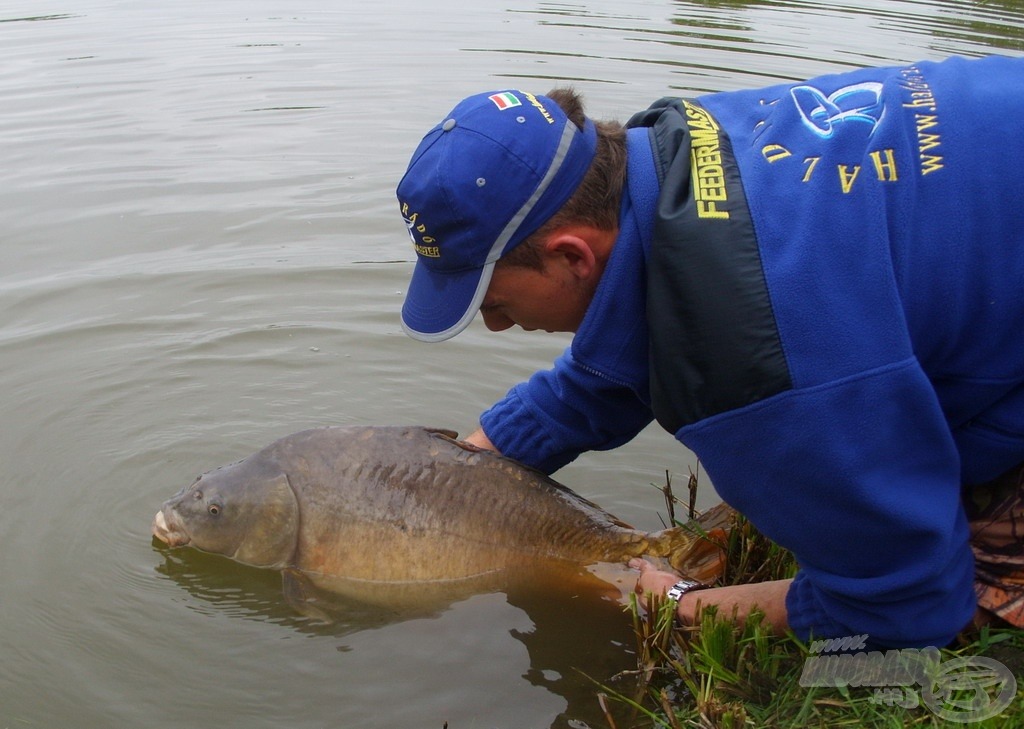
<point x="996" y="514"/>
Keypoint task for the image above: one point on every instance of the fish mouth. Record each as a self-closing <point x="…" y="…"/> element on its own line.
<point x="169" y="531"/>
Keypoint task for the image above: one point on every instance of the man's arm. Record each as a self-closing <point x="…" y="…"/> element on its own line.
<point x="768" y="597"/>
<point x="860" y="479"/>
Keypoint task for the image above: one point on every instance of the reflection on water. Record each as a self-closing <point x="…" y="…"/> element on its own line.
<point x="224" y="587"/>
<point x="574" y="640"/>
<point x="202" y="253"/>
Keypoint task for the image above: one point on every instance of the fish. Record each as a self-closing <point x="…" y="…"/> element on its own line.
<point x="352" y="507"/>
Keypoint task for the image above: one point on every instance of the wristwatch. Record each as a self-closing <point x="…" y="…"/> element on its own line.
<point x="682" y="587"/>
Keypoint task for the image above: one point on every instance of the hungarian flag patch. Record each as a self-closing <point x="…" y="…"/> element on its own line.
<point x="505" y="100"/>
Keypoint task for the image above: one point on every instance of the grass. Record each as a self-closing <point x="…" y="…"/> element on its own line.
<point x="729" y="674"/>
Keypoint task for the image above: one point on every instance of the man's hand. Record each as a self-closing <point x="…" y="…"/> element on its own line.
<point x="652" y="581"/>
<point x="479" y="439"/>
<point x="768" y="597"/>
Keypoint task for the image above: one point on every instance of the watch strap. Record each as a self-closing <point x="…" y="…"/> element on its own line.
<point x="682" y="587"/>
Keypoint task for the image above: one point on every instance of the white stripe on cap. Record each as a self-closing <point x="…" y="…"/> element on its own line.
<point x="568" y="131"/>
<point x="467" y="317"/>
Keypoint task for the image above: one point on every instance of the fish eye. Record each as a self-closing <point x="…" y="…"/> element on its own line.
<point x="214" y="509"/>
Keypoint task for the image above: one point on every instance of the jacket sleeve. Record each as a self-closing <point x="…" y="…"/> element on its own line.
<point x="550" y="419"/>
<point x="860" y="478"/>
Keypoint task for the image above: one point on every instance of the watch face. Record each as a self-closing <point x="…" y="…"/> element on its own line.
<point x="681" y="588"/>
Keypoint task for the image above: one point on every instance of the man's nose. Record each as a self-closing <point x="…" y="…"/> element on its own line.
<point x="496" y="321"/>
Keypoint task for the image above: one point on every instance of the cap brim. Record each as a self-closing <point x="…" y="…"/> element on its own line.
<point x="440" y="305"/>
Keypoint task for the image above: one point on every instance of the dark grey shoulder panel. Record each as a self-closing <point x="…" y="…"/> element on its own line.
<point x="715" y="345"/>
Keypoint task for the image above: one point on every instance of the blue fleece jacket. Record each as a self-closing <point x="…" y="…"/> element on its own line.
<point x="887" y="210"/>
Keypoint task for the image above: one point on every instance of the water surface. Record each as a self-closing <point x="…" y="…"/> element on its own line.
<point x="202" y="253"/>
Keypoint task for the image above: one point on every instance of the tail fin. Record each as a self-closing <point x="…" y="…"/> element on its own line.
<point x="697" y="549"/>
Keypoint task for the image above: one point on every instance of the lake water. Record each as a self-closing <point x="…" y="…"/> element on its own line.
<point x="202" y="252"/>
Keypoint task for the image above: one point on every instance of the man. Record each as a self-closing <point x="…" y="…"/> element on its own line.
<point x="817" y="287"/>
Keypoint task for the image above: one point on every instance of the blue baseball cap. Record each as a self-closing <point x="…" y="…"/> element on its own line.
<point x="495" y="170"/>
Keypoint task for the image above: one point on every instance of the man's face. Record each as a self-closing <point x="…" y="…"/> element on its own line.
<point x="550" y="299"/>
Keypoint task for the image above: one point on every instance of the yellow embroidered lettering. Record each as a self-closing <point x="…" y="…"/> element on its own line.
<point x="928" y="141"/>
<point x="706" y="171"/>
<point x="710" y="210"/>
<point x="930" y="163"/>
<point x="885" y="168"/>
<point x="539" y="106"/>
<point x="847" y="178"/>
<point x="774" y="152"/>
<point x="811" y="163"/>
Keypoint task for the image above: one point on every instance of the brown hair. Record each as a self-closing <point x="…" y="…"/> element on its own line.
<point x="597" y="199"/>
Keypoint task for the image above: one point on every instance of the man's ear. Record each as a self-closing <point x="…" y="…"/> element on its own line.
<point x="573" y="251"/>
